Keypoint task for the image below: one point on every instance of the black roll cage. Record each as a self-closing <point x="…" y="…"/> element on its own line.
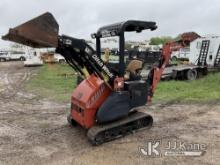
<point x="118" y="29"/>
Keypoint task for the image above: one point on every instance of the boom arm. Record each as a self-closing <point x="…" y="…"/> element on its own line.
<point x="157" y="70"/>
<point x="82" y="58"/>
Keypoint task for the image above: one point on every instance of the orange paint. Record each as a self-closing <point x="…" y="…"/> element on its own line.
<point x="87" y="98"/>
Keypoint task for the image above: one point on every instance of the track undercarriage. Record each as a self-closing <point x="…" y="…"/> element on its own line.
<point x="135" y="121"/>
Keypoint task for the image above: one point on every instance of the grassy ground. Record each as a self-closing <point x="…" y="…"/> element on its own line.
<point x="52" y="83"/>
<point x="202" y="90"/>
<point x="49" y="83"/>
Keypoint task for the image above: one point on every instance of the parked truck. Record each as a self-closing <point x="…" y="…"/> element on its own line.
<point x="12" y="55"/>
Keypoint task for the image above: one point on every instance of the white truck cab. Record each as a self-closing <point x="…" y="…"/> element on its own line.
<point x="182" y="54"/>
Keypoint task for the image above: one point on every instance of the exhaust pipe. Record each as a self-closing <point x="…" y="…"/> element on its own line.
<point x="40" y="32"/>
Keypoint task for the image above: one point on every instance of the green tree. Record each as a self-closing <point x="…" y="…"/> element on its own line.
<point x="160" y="40"/>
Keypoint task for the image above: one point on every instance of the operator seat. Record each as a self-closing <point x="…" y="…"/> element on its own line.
<point x="132" y="72"/>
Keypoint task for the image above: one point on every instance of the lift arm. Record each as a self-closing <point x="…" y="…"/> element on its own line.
<point x="82" y="58"/>
<point x="43" y="32"/>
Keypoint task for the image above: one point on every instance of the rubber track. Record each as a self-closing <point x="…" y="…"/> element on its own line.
<point x="104" y="133"/>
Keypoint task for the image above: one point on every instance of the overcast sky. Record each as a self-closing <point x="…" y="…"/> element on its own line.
<point x="80" y="18"/>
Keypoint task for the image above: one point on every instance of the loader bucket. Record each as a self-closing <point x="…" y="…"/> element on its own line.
<point x="40" y="32"/>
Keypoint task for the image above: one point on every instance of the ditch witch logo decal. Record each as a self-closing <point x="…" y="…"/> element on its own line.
<point x="96" y="96"/>
<point x="172" y="147"/>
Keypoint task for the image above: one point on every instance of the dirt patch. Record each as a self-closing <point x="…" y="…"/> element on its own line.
<point x="34" y="130"/>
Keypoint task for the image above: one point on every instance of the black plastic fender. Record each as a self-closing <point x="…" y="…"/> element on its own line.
<point x="116" y="106"/>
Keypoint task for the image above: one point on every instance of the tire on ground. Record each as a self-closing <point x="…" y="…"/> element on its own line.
<point x="2" y="59"/>
<point x="62" y="61"/>
<point x="174" y="58"/>
<point x="22" y="59"/>
<point x="191" y="74"/>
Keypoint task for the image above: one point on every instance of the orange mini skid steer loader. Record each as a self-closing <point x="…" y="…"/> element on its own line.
<point x="105" y="102"/>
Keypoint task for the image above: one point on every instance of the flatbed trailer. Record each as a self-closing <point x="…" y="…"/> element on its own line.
<point x="180" y="72"/>
<point x="185" y="72"/>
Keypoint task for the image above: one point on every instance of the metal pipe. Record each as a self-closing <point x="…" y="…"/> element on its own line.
<point x="121" y="54"/>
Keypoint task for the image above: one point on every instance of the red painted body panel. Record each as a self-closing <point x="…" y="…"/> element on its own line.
<point x="87" y="97"/>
